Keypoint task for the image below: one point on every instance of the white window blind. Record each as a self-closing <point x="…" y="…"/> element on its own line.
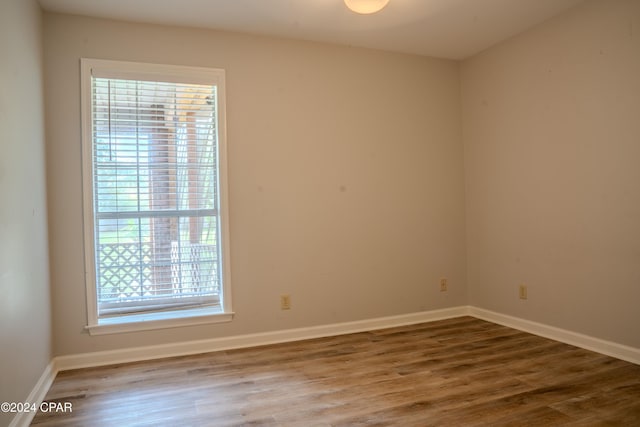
<point x="155" y="194"/>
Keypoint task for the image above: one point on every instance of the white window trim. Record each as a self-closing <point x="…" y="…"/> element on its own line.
<point x="158" y="320"/>
<point x="161" y="319"/>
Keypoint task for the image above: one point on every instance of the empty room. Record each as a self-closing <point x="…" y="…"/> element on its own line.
<point x="320" y="212"/>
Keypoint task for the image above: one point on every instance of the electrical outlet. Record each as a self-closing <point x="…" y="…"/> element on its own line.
<point x="285" y="302"/>
<point x="523" y="291"/>
<point x="443" y="285"/>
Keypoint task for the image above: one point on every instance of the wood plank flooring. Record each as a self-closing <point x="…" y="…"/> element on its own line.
<point x="456" y="372"/>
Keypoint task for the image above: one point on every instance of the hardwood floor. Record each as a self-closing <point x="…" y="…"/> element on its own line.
<point x="456" y="372"/>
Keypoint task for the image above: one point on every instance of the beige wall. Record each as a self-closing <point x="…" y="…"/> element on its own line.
<point x="25" y="342"/>
<point x="552" y="151"/>
<point x="346" y="175"/>
<point x="346" y="179"/>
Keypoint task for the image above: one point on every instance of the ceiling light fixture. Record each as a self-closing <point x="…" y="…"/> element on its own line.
<point x="366" y="7"/>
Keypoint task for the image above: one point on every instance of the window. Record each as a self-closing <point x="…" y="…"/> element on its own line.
<point x="154" y="158"/>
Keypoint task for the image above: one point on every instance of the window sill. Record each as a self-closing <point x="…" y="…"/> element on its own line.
<point x="158" y="320"/>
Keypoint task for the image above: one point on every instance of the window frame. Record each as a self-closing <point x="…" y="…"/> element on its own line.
<point x="158" y="319"/>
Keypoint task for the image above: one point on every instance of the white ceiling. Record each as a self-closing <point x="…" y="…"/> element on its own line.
<point x="453" y="29"/>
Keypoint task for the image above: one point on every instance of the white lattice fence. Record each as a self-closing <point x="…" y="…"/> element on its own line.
<point x="126" y="270"/>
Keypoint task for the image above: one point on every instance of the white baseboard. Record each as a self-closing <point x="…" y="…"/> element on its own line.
<point x="135" y="354"/>
<point x="102" y="358"/>
<point x="619" y="351"/>
<point x="23" y="419"/>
